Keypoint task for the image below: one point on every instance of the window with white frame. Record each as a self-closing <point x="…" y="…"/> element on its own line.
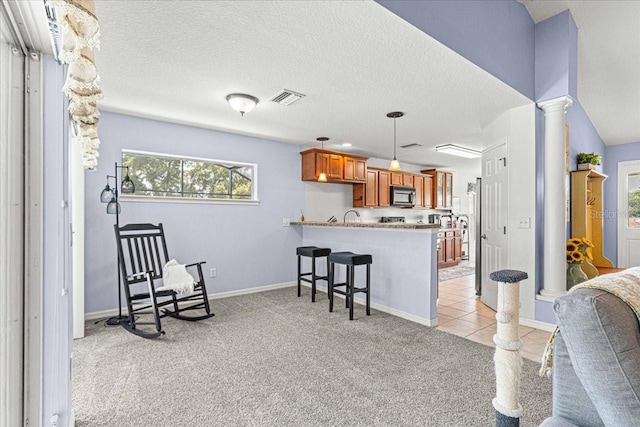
<point x="171" y="176"/>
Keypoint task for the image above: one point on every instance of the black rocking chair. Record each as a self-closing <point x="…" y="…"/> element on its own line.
<point x="142" y="254"/>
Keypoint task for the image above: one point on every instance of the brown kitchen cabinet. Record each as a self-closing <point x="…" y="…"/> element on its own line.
<point x="442" y="188"/>
<point x="418" y="184"/>
<point x="450" y="252"/>
<point x="338" y="167"/>
<point x="457" y="246"/>
<point x="401" y="178"/>
<point x="427" y="197"/>
<point x="355" y="169"/>
<point x="384" y="194"/>
<point x="396" y="178"/>
<point x="363" y="194"/>
<point x="366" y="195"/>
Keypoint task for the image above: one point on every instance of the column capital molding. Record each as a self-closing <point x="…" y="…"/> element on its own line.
<point x="560" y="103"/>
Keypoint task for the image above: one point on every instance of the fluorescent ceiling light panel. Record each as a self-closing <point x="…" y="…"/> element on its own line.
<point x="456" y="150"/>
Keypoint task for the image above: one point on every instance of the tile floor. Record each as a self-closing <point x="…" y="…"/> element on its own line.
<point x="461" y="313"/>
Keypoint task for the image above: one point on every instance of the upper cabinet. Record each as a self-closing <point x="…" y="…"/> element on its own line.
<point x="355" y="169"/>
<point x="375" y="191"/>
<point x="441" y="188"/>
<point x="338" y="167"/>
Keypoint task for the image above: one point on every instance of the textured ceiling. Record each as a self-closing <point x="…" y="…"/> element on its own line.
<point x="354" y="61"/>
<point x="608" y="62"/>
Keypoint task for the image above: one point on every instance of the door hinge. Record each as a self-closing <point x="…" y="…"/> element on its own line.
<point x="505" y="229"/>
<point x="28" y="83"/>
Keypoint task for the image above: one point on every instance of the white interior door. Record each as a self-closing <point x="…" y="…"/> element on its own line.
<point x="494" y="220"/>
<point x="629" y="214"/>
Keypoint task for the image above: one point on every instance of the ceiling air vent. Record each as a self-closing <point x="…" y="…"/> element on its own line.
<point x="412" y="145"/>
<point x="286" y="97"/>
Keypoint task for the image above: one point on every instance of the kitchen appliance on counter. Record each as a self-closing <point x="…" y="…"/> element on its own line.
<point x="434" y="219"/>
<point x="392" y="219"/>
<point x="446" y="221"/>
<point x="403" y="196"/>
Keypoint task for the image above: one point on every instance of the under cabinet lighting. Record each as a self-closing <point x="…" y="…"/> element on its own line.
<point x="456" y="150"/>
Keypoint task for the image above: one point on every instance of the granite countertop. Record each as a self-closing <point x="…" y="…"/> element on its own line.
<point x="392" y="225"/>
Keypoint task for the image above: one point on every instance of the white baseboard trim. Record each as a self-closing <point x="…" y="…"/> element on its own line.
<point x="228" y="294"/>
<point x="380" y="307"/>
<point x="72" y="418"/>
<point x="103" y="314"/>
<point x="550" y="327"/>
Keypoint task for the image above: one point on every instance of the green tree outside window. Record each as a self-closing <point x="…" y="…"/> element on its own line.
<point x="164" y="176"/>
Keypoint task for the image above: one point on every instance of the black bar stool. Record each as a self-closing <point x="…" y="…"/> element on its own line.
<point x="350" y="260"/>
<point x="313" y="252"/>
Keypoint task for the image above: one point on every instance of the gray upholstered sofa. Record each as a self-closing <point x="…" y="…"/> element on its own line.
<point x="596" y="362"/>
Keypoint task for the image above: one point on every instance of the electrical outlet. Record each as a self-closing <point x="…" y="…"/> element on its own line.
<point x="524" y="223"/>
<point x="213" y="272"/>
<point x="286" y="222"/>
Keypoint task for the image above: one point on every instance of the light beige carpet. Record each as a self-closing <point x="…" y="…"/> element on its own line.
<point x="272" y="359"/>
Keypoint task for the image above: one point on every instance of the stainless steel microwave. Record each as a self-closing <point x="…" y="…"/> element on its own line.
<point x="403" y="196"/>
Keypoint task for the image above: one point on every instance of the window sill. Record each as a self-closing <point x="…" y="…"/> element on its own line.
<point x="188" y="200"/>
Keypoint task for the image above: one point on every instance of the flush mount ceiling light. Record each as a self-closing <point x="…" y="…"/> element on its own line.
<point x="242" y="102"/>
<point x="395" y="164"/>
<point x="456" y="150"/>
<point x="323" y="176"/>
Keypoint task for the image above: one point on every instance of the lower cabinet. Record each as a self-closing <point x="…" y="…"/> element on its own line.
<point x="450" y="252"/>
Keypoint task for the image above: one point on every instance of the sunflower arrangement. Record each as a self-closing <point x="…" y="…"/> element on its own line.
<point x="578" y="249"/>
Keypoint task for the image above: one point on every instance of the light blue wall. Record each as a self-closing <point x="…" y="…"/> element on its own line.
<point x="496" y="35"/>
<point x="612" y="155"/>
<point x="56" y="277"/>
<point x="247" y="244"/>
<point x="583" y="137"/>
<point x="556" y="57"/>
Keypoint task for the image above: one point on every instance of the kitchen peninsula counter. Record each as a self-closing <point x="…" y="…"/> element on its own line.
<point x="357" y="224"/>
<point x="404" y="272"/>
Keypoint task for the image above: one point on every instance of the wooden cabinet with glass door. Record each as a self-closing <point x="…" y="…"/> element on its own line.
<point x="442" y="188"/>
<point x="586" y="212"/>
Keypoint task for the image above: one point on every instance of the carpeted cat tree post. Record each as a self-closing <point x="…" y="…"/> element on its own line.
<point x="507" y="359"/>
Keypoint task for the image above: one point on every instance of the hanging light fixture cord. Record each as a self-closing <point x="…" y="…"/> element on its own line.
<point x="394" y="137"/>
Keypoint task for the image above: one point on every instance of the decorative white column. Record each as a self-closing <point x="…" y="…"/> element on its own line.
<point x="555" y="265"/>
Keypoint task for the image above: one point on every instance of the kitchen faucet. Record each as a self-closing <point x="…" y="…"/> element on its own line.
<point x="344" y="218"/>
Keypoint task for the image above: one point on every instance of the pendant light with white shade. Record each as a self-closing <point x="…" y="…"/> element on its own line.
<point x="323" y="176"/>
<point x="395" y="164"/>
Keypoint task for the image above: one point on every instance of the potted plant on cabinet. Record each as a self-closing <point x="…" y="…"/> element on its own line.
<point x="588" y="161"/>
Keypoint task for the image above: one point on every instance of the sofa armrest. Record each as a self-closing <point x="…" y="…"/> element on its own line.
<point x="602" y="338"/>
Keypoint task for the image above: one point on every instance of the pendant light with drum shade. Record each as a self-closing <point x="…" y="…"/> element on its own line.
<point x="395" y="164"/>
<point x="323" y="175"/>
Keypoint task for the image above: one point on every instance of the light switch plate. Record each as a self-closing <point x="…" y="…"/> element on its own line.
<point x="286" y="222"/>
